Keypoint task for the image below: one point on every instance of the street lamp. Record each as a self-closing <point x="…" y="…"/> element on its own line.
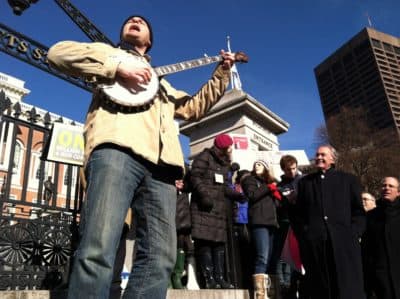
<point x="19" y="6"/>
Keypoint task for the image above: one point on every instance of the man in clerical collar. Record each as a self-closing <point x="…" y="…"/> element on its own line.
<point x="329" y="221"/>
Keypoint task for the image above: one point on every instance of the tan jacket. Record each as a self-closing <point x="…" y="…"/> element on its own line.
<point x="151" y="134"/>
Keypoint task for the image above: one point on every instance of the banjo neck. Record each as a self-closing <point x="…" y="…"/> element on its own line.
<point x="186" y="65"/>
<point x="141" y="95"/>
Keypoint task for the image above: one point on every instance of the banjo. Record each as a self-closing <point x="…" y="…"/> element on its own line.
<point x="128" y="95"/>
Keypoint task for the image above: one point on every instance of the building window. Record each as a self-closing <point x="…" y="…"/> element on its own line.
<point x="348" y="59"/>
<point x="387" y="47"/>
<point x="337" y="68"/>
<point x="4" y="132"/>
<point x="396" y="49"/>
<point x="17" y="157"/>
<point x="66" y="177"/>
<point x="376" y="43"/>
<point x="39" y="175"/>
<point x="37" y="172"/>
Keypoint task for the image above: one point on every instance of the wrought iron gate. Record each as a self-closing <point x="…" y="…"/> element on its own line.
<point x="39" y="204"/>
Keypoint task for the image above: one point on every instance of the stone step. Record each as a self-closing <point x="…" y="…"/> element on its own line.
<point x="24" y="294"/>
<point x="208" y="294"/>
<point x="172" y="294"/>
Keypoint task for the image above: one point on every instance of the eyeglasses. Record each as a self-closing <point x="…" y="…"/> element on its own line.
<point x="368" y="199"/>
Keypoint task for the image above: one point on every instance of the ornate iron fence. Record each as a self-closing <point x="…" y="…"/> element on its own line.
<point x="39" y="204"/>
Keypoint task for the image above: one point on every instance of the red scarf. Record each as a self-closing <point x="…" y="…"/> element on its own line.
<point x="274" y="190"/>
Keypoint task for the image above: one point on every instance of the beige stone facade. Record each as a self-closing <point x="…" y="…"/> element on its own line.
<point x="236" y="113"/>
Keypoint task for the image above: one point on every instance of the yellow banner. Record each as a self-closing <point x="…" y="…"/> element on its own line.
<point x="66" y="144"/>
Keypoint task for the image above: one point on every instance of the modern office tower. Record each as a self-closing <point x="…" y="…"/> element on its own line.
<point x="364" y="72"/>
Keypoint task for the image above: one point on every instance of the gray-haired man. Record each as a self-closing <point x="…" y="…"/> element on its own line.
<point x="329" y="221"/>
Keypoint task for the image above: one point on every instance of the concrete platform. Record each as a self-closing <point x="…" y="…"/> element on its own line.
<point x="208" y="294"/>
<point x="24" y="294"/>
<point x="172" y="294"/>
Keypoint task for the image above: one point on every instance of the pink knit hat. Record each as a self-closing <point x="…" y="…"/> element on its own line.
<point x="223" y="141"/>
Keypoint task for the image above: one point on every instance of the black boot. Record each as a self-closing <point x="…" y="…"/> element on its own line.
<point x="219" y="268"/>
<point x="275" y="291"/>
<point x="207" y="269"/>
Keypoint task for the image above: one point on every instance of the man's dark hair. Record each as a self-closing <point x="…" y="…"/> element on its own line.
<point x="287" y="160"/>
<point x="122" y="43"/>
<point x="235" y="167"/>
<point x="240" y="174"/>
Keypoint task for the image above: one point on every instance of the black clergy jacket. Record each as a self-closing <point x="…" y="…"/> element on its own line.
<point x="329" y="207"/>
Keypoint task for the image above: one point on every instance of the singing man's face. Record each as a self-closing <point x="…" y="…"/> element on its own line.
<point x="136" y="32"/>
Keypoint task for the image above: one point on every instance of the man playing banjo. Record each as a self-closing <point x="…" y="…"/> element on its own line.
<point x="132" y="155"/>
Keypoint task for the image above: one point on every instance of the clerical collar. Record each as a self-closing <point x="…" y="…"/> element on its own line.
<point x="327" y="170"/>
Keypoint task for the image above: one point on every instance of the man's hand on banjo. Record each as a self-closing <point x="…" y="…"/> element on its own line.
<point x="132" y="74"/>
<point x="136" y="82"/>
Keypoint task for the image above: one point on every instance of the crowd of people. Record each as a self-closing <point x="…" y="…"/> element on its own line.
<point x="311" y="236"/>
<point x="133" y="159"/>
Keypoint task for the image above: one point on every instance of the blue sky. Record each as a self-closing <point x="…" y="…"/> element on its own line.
<point x="285" y="41"/>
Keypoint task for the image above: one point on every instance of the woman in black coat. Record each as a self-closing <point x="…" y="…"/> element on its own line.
<point x="210" y="188"/>
<point x="258" y="188"/>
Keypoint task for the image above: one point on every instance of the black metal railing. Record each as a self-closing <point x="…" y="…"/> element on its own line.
<point x="39" y="204"/>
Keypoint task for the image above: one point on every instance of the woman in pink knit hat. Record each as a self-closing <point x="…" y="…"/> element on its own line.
<point x="209" y="180"/>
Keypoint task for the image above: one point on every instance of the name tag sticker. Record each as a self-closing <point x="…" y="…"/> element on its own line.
<point x="219" y="178"/>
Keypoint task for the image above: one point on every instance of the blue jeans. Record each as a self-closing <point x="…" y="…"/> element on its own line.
<point x="116" y="181"/>
<point x="262" y="237"/>
<point x="284" y="273"/>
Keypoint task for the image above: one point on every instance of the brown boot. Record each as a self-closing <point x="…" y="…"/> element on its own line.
<point x="261" y="283"/>
<point x="274" y="288"/>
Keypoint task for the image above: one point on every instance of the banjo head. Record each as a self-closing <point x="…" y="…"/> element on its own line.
<point x="132" y="95"/>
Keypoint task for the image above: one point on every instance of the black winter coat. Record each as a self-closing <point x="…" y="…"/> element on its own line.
<point x="382" y="242"/>
<point x="209" y="183"/>
<point x="183" y="220"/>
<point x="329" y="206"/>
<point x="262" y="209"/>
<point x="287" y="185"/>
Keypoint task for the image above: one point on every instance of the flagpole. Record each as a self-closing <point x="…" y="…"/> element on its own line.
<point x="235" y="79"/>
<point x="369" y="20"/>
<point x="228" y="42"/>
